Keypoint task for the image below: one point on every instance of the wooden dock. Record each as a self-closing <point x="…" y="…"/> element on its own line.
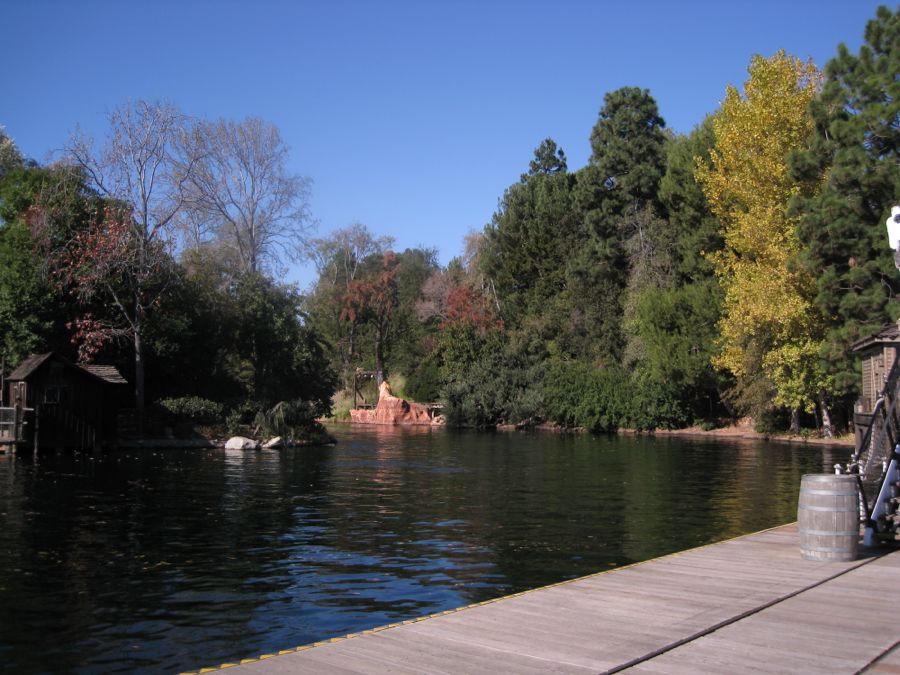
<point x="750" y="604"/>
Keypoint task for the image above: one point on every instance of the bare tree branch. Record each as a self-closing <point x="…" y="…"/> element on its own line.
<point x="138" y="169"/>
<point x="240" y="191"/>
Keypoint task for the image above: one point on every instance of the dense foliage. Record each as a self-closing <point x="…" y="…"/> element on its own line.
<point x="686" y="279"/>
<point x="672" y="280"/>
<point x="853" y="159"/>
<point x="768" y="332"/>
<point x="85" y="276"/>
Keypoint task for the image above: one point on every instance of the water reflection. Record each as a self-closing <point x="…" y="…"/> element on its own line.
<point x="170" y="560"/>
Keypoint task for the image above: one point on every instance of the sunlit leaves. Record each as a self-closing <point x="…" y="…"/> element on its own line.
<point x="768" y="300"/>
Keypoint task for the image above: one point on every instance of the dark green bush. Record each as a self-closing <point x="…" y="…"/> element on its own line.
<point x="233" y="423"/>
<point x="656" y="405"/>
<point x="424" y="384"/>
<point x="192" y="409"/>
<point x="292" y="420"/>
<point x="492" y="391"/>
<point x="771" y="421"/>
<point x="577" y="394"/>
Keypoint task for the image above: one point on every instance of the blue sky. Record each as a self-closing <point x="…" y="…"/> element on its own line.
<point x="410" y="117"/>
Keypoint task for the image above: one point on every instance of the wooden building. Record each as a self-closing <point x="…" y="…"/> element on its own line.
<point x="72" y="405"/>
<point x="878" y="352"/>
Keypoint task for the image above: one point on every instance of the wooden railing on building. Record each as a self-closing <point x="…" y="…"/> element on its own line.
<point x="12" y="424"/>
<point x="9" y="427"/>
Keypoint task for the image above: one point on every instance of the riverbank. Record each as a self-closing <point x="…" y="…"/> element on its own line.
<point x="744" y="430"/>
<point x="741" y="430"/>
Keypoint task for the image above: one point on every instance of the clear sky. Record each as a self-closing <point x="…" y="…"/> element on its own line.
<point x="410" y="117"/>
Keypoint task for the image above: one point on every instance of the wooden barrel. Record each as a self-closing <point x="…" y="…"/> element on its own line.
<point x="828" y="517"/>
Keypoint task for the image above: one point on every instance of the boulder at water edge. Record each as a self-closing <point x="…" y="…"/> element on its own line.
<point x="241" y="443"/>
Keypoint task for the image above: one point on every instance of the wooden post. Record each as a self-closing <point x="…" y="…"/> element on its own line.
<point x="19" y="413"/>
<point x="37" y="424"/>
<point x="17" y="422"/>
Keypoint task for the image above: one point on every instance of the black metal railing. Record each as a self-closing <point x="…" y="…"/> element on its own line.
<point x="877" y="446"/>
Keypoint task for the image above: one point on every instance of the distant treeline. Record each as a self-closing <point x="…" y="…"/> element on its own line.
<point x="673" y="280"/>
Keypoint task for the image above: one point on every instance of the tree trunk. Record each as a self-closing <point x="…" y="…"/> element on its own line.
<point x="827" y="429"/>
<point x="795" y="421"/>
<point x="256" y="394"/>
<point x="379" y="359"/>
<point x="139" y="371"/>
<point x="351" y="334"/>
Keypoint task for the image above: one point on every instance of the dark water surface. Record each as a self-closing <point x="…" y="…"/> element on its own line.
<point x="164" y="561"/>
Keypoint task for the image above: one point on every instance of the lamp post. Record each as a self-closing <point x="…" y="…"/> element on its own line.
<point x="893" y="228"/>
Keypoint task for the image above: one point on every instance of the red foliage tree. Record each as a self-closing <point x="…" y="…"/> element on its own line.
<point x="467" y="306"/>
<point x="108" y="259"/>
<point x="371" y="300"/>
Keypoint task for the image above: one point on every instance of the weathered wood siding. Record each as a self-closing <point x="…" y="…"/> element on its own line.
<point x="71" y="408"/>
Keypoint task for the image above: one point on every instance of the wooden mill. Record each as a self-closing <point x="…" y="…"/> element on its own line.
<point x="59" y="404"/>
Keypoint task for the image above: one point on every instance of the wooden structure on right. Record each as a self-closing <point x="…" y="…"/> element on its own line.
<point x="875" y="460"/>
<point x="878" y="352"/>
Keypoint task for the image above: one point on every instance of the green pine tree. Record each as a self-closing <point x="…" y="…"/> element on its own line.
<point x="841" y="228"/>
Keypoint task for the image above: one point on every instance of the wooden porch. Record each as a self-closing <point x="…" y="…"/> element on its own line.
<point x="12" y="426"/>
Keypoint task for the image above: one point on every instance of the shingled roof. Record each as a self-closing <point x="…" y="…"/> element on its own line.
<point x="28" y="366"/>
<point x="108" y="374"/>
<point x="889" y="333"/>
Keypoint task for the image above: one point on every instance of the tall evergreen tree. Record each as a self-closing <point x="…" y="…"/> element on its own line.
<point x="697" y="231"/>
<point x="628" y="149"/>
<point x="677" y="325"/>
<point x="841" y="228"/>
<point x="548" y="159"/>
<point x="616" y="198"/>
<point x="531" y="237"/>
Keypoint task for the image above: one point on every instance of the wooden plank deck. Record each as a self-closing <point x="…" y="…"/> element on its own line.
<point x="750" y="604"/>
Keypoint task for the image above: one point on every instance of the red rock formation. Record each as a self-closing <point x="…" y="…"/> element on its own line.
<point x="393" y="410"/>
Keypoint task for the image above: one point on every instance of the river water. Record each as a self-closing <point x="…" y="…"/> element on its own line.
<point x="165" y="561"/>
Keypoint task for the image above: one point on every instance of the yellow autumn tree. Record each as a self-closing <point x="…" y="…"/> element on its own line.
<point x="769" y="327"/>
